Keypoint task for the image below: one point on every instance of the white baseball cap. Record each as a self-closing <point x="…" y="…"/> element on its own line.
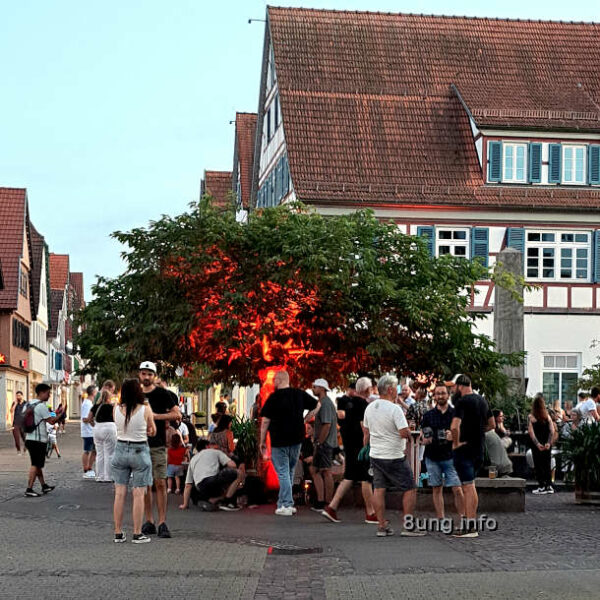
<point x="321" y="383"/>
<point x="149" y="366"/>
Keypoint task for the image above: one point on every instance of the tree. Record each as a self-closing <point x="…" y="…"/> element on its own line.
<point x="324" y="296"/>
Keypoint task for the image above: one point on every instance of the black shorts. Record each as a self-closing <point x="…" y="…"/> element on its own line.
<point x="37" y="453"/>
<point x="392" y="473"/>
<point x="215" y="486"/>
<point x="323" y="457"/>
<point x="467" y="464"/>
<point x="354" y="469"/>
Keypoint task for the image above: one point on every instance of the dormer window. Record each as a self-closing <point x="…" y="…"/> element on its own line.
<point x="573" y="164"/>
<point x="514" y="163"/>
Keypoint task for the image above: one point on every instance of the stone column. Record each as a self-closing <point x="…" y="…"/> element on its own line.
<point x="509" y="333"/>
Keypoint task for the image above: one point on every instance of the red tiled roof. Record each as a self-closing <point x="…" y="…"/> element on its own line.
<point x="59" y="271"/>
<point x="13" y="215"/>
<point x="38" y="256"/>
<point x="370" y="113"/>
<point x="77" y="283"/>
<point x="218" y="185"/>
<point x="56" y="303"/>
<point x="245" y="129"/>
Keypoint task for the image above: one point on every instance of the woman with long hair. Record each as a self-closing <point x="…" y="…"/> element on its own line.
<point x="105" y="435"/>
<point x="131" y="461"/>
<point x="541" y="431"/>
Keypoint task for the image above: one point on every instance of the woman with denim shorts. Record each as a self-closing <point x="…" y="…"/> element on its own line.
<point x="131" y="462"/>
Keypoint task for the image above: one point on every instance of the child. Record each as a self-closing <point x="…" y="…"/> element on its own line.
<point x="176" y="454"/>
<point x="52" y="445"/>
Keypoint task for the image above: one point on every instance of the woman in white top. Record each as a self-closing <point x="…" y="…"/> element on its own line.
<point x="131" y="461"/>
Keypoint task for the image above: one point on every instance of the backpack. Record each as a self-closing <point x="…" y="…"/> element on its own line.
<point x="29" y="425"/>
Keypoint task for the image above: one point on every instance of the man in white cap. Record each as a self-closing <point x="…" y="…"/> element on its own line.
<point x="165" y="409"/>
<point x="325" y="440"/>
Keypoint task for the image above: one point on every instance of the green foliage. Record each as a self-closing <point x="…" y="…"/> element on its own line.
<point x="580" y="451"/>
<point x="512" y="283"/>
<point x="245" y="431"/>
<point x="349" y="293"/>
<point x="591" y="375"/>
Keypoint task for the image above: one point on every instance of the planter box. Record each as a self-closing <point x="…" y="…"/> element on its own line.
<point x="587" y="496"/>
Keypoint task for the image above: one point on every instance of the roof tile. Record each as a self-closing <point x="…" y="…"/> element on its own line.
<point x="245" y="129"/>
<point x="59" y="271"/>
<point x="13" y="214"/>
<point x="218" y="185"/>
<point x="371" y="102"/>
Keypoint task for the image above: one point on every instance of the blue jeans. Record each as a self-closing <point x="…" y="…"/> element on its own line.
<point x="284" y="461"/>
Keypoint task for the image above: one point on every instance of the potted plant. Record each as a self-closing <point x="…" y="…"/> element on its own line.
<point x="580" y="451"/>
<point x="245" y="431"/>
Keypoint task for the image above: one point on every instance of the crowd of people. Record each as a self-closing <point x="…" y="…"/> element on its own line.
<point x="384" y="436"/>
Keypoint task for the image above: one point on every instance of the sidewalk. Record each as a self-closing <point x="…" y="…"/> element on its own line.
<point x="550" y="551"/>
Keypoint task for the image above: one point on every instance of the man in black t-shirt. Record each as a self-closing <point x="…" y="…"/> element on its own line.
<point x="351" y="410"/>
<point x="165" y="408"/>
<point x="283" y="417"/>
<point x="437" y="440"/>
<point x="472" y="418"/>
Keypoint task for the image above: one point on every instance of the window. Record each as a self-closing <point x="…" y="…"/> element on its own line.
<point x="559" y="377"/>
<point x="573" y="164"/>
<point x="514" y="162"/>
<point x="276" y="112"/>
<point x="269" y="124"/>
<point x="20" y="335"/>
<point x="558" y="255"/>
<point x="452" y="241"/>
<point x="23" y="282"/>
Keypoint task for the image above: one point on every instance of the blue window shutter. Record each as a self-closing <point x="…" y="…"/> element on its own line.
<point x="286" y="175"/>
<point x="273" y="178"/>
<point x="480" y="244"/>
<point x="554" y="153"/>
<point x="427" y="232"/>
<point x="594" y="164"/>
<point x="515" y="238"/>
<point x="277" y="171"/>
<point x="535" y="163"/>
<point x="596" y="255"/>
<point x="494" y="161"/>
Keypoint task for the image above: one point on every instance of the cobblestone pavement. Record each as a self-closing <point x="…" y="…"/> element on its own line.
<point x="59" y="546"/>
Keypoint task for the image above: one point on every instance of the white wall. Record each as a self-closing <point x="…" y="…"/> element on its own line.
<point x="553" y="334"/>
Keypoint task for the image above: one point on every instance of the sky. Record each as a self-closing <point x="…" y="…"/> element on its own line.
<point x="111" y="110"/>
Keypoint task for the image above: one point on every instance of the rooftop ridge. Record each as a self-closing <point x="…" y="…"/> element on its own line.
<point x="430" y="15"/>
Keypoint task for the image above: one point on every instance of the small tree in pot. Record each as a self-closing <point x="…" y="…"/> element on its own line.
<point x="245" y="431"/>
<point x="581" y="454"/>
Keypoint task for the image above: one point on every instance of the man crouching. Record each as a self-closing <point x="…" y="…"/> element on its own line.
<point x="212" y="479"/>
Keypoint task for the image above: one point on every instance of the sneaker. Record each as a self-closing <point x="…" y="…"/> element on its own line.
<point x="385" y="531"/>
<point x="163" y="531"/>
<point x="294" y="510"/>
<point x="371" y="519"/>
<point x="47" y="488"/>
<point x="120" y="538"/>
<point x="412" y="533"/>
<point x="330" y="514"/>
<point x="469" y="533"/>
<point x="89" y="475"/>
<point x="29" y="493"/>
<point x="229" y="507"/>
<point x="140" y="538"/>
<point x="207" y="506"/>
<point x="148" y="528"/>
<point x="539" y="491"/>
<point x="549" y="489"/>
<point x="284" y="511"/>
<point x="318" y="507"/>
<point x="169" y="491"/>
